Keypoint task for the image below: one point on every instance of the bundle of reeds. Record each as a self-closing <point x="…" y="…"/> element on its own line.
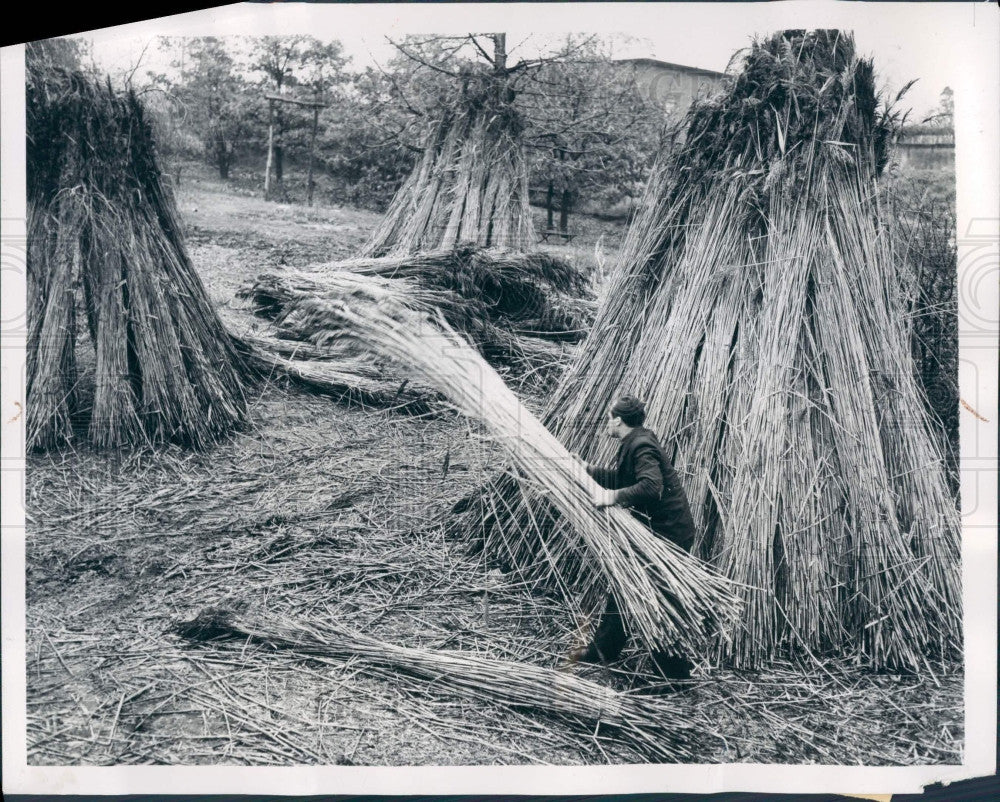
<point x="755" y="308"/>
<point x="101" y="218"/>
<point x="668" y="596"/>
<point x="471" y="184"/>
<point x="515" y="307"/>
<point x="343" y="375"/>
<point x="654" y="728"/>
<point x="504" y="285"/>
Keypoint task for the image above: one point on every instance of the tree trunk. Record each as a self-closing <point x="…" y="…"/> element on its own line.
<point x="279" y="149"/>
<point x="223" y="157"/>
<point x="563" y="201"/>
<point x="499" y="53"/>
<point x="548" y="206"/>
<point x="270" y="150"/>
<point x="312" y="146"/>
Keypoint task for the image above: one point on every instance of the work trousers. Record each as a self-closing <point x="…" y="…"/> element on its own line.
<point x="610" y="637"/>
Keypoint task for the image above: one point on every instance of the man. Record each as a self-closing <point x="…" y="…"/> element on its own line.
<point x="643" y="481"/>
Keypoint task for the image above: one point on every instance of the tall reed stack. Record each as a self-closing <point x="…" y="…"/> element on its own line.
<point x="153" y="362"/>
<point x="471" y="184"/>
<point x="756" y="307"/>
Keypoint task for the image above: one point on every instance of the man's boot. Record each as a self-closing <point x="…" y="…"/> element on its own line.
<point x="609" y="638"/>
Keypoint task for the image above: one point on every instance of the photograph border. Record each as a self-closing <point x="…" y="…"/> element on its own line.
<point x="978" y="177"/>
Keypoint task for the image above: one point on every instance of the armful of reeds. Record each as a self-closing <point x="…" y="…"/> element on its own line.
<point x="668" y="596"/>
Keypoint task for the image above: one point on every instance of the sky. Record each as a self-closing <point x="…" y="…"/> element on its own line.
<point x="907" y="40"/>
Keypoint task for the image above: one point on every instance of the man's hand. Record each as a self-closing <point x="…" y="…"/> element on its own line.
<point x="604" y="498"/>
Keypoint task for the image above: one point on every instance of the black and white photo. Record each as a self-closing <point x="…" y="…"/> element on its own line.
<point x="556" y="398"/>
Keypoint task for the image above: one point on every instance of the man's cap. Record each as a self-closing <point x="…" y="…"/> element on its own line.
<point x="628" y="405"/>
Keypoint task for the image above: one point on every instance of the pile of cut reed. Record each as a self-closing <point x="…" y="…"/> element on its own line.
<point x="529" y="290"/>
<point x="471" y="184"/>
<point x="653" y="728"/>
<point x="101" y="218"/>
<point x="666" y="595"/>
<point x="519" y="309"/>
<point x="342" y="374"/>
<point x="756" y="308"/>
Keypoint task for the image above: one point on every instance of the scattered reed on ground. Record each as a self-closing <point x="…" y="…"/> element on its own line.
<point x="320" y="513"/>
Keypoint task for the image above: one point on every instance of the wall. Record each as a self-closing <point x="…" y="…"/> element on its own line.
<point x="674" y="85"/>
<point x="926" y="150"/>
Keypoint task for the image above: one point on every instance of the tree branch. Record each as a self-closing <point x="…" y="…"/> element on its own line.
<point x="480" y="48"/>
<point x="424" y="62"/>
<point x="399" y="90"/>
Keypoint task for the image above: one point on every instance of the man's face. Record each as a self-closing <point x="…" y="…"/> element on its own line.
<point x="613" y="427"/>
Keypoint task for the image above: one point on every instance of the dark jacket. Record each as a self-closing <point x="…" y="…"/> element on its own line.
<point x="648" y="486"/>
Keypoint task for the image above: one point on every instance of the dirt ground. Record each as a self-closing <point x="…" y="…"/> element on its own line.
<point x="323" y="513"/>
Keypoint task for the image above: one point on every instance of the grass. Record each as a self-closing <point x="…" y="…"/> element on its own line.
<point x="319" y="513"/>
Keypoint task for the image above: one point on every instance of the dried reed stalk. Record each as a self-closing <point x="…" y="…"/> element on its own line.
<point x="491" y="296"/>
<point x="349" y="378"/>
<point x="654" y="728"/>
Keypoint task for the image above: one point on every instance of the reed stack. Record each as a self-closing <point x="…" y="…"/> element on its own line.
<point x="123" y="341"/>
<point x="757" y="308"/>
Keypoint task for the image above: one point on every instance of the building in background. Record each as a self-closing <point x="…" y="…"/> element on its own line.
<point x="673" y="86"/>
<point x="926" y="147"/>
